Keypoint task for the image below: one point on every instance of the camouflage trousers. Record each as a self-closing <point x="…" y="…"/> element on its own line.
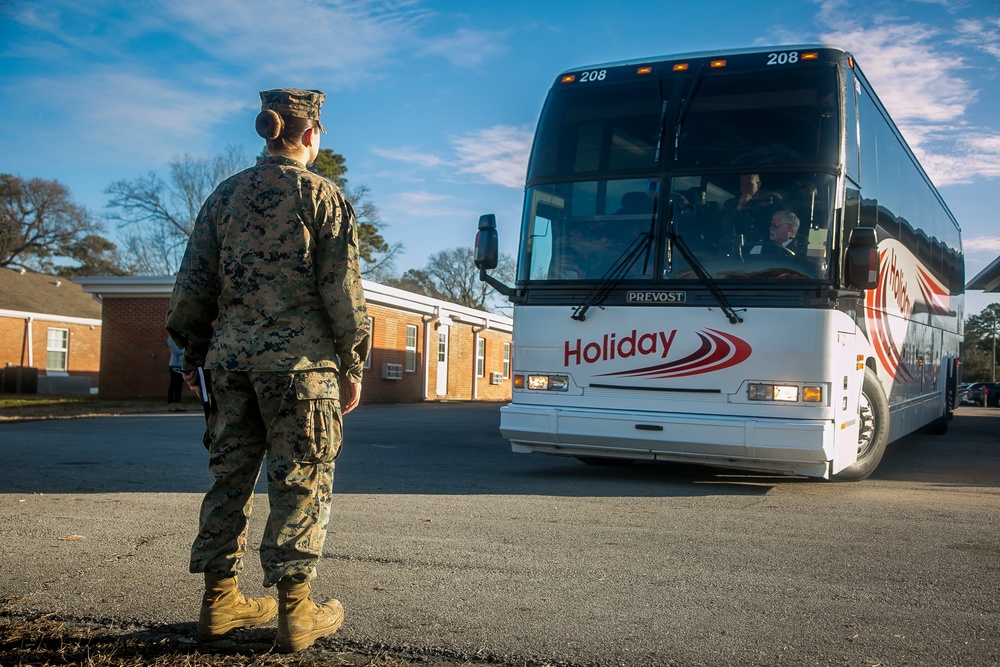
<point x="292" y="423"/>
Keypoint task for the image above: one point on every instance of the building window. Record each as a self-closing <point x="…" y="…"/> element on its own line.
<point x="371" y="337"/>
<point x="481" y="358"/>
<point x="506" y="361"/>
<point x="411" y="347"/>
<point x="57" y="350"/>
<point x="442" y="347"/>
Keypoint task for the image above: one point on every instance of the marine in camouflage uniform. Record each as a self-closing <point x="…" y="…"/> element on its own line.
<point x="269" y="299"/>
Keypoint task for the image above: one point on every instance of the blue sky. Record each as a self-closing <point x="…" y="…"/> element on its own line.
<point x="433" y="102"/>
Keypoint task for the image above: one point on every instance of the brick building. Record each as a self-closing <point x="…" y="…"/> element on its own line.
<point x="422" y="348"/>
<point x="50" y="334"/>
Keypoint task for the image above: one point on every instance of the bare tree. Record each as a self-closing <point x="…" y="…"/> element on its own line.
<point x="417" y="281"/>
<point x="156" y="216"/>
<point x="39" y="223"/>
<point x="96" y="256"/>
<point x="452" y="275"/>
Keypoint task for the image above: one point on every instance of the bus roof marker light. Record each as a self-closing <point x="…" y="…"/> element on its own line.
<point x="569" y="78"/>
<point x="810" y="56"/>
<point x="646" y="69"/>
<point x="680" y="67"/>
<point x="717" y="63"/>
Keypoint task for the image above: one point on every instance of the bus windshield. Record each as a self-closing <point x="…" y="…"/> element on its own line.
<point x="739" y="226"/>
<point x="737" y="166"/>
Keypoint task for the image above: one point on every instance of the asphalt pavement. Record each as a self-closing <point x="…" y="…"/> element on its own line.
<point x="443" y="542"/>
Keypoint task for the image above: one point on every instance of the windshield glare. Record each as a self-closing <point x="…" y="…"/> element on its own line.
<point x="738" y="226"/>
<point x="577" y="231"/>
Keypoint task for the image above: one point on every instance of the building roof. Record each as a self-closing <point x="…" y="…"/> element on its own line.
<point x="109" y="287"/>
<point x="41" y="294"/>
<point x="988" y="279"/>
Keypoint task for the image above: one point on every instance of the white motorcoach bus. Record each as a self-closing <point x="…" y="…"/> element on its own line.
<point x="731" y="259"/>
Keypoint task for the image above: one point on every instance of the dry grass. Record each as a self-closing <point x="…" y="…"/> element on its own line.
<point x="42" y="406"/>
<point x="49" y="640"/>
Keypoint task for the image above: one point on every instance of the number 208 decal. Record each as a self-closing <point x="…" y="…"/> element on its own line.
<point x="783" y="58"/>
<point x="594" y="75"/>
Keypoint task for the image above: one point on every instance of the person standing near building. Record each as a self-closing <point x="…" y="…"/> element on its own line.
<point x="268" y="300"/>
<point x="176" y="381"/>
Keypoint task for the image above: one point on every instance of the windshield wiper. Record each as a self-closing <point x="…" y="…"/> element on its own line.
<point x="686" y="107"/>
<point x="673" y="238"/>
<point x="641" y="245"/>
<point x="663" y="130"/>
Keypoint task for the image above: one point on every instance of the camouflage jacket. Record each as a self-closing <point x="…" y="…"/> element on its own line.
<point x="270" y="278"/>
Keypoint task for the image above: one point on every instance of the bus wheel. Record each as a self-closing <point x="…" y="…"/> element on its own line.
<point x="873" y="431"/>
<point x="604" y="461"/>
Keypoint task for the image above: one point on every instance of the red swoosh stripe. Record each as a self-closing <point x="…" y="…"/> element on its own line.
<point x="933" y="292"/>
<point x="881" y="335"/>
<point x="718" y="350"/>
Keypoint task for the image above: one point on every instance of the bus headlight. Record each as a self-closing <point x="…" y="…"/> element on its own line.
<point x="786" y="393"/>
<point x="548" y="382"/>
<point x="773" y="392"/>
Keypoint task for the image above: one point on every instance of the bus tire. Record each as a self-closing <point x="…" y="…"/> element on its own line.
<point x="605" y="461"/>
<point x="873" y="430"/>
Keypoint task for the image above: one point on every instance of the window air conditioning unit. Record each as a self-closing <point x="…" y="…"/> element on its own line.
<point x="496" y="378"/>
<point x="392" y="371"/>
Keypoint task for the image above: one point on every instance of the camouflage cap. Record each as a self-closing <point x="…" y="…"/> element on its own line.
<point x="294" y="102"/>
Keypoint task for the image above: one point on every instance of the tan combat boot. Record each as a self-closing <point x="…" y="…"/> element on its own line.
<point x="300" y="620"/>
<point x="224" y="609"/>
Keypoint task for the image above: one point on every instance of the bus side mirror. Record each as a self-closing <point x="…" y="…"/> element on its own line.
<point x="861" y="264"/>
<point x="488" y="254"/>
<point x="487" y="243"/>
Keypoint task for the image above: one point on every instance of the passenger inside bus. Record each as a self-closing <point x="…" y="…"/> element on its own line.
<point x="782" y="236"/>
<point x="750" y="213"/>
<point x="635" y="203"/>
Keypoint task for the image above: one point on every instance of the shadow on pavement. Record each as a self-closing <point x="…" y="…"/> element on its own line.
<point x="435" y="448"/>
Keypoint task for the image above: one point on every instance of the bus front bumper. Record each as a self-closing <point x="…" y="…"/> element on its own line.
<point x="788" y="446"/>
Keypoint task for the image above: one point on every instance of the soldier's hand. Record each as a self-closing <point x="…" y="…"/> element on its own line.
<point x="350" y="396"/>
<point x="191" y="380"/>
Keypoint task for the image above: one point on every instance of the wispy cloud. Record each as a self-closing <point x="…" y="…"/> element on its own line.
<point x="918" y="77"/>
<point x="467" y="48"/>
<point x="410" y="155"/>
<point x="980" y="34"/>
<point x="406" y="206"/>
<point x="199" y="59"/>
<point x="496" y="155"/>
<point x="346" y="41"/>
<point x="983" y="244"/>
<point x="150" y="120"/>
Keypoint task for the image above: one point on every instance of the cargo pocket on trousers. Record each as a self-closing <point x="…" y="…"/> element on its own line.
<point x="318" y="422"/>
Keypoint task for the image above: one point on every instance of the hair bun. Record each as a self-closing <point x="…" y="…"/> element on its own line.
<point x="269" y="124"/>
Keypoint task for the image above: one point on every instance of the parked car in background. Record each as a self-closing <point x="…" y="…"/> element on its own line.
<point x="965" y="393"/>
<point x="984" y="394"/>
